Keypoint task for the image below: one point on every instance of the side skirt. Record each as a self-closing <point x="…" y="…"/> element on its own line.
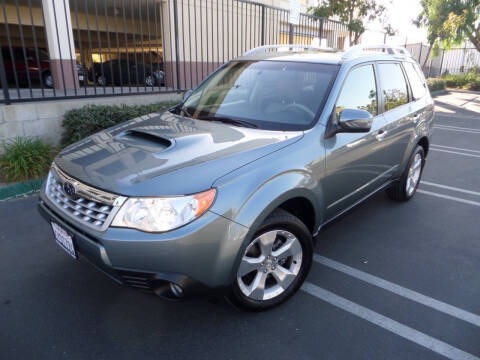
<point x="343" y="212"/>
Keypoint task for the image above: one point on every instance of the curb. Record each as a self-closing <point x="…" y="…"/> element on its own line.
<point x="19" y="189"/>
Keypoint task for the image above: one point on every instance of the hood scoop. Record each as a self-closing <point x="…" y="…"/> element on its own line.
<point x="148" y="140"/>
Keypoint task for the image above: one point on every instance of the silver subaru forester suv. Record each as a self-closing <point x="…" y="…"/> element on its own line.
<point x="227" y="191"/>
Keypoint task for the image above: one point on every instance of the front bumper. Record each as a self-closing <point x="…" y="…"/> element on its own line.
<point x="199" y="256"/>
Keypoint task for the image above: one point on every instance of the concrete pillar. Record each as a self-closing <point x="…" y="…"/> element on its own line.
<point x="58" y="27"/>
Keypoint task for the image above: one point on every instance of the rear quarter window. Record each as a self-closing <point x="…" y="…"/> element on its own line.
<point x="416" y="80"/>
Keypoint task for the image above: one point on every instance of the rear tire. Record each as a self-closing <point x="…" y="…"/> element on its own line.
<point x="47" y="80"/>
<point x="406" y="187"/>
<point x="269" y="275"/>
<point x="102" y="80"/>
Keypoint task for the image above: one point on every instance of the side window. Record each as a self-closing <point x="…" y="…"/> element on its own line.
<point x="393" y="85"/>
<point x="359" y="91"/>
<point x="416" y="82"/>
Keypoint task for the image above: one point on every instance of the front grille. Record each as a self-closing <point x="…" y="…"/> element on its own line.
<point x="137" y="280"/>
<point x="92" y="207"/>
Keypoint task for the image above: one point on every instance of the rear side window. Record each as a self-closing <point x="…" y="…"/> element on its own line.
<point x="416" y="81"/>
<point x="359" y="91"/>
<point x="394" y="86"/>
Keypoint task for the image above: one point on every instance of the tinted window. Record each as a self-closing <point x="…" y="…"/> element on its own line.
<point x="359" y="91"/>
<point x="393" y="85"/>
<point x="272" y="95"/>
<point x="416" y="81"/>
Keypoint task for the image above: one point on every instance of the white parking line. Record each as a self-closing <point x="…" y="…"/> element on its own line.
<point x="457" y="127"/>
<point x="399" y="290"/>
<point x="450" y="188"/>
<point x="455" y="148"/>
<point x="454" y="152"/>
<point x="454" y="198"/>
<point x="395" y="327"/>
<point x="472" y="131"/>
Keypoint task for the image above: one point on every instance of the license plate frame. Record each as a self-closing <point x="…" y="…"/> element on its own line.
<point x="64" y="239"/>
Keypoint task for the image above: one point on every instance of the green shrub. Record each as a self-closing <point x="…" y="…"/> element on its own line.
<point x="461" y="80"/>
<point x="436" y="84"/>
<point x="26" y="158"/>
<point x="474" y="85"/>
<point x="80" y="123"/>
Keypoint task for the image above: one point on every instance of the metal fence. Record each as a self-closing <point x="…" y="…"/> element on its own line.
<point x="61" y="49"/>
<point x="454" y="61"/>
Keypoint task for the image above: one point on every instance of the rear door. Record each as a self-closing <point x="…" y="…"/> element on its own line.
<point x="421" y="104"/>
<point x="354" y="161"/>
<point x="397" y="112"/>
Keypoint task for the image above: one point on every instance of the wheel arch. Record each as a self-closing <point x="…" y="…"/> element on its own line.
<point x="289" y="196"/>
<point x="424" y="143"/>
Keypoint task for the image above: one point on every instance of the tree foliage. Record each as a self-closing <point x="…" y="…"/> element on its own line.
<point x="354" y="13"/>
<point x="450" y="22"/>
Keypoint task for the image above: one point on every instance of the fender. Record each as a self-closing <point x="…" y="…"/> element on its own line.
<point x="423" y="129"/>
<point x="269" y="196"/>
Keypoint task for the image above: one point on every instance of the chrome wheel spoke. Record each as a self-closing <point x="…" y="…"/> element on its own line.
<point x="256" y="289"/>
<point x="265" y="241"/>
<point x="291" y="247"/>
<point x="414" y="174"/>
<point x="417" y="163"/>
<point x="261" y="263"/>
<point x="284" y="277"/>
<point x="250" y="264"/>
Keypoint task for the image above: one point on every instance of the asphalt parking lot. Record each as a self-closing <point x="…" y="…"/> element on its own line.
<point x="389" y="281"/>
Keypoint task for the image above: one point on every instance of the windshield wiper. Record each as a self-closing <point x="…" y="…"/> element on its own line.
<point x="228" y="120"/>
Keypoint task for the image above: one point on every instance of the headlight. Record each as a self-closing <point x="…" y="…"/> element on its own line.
<point x="162" y="214"/>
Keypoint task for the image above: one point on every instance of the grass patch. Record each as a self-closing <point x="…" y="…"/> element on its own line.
<point x="26" y="159"/>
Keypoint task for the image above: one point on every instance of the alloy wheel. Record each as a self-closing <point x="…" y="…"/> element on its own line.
<point x="101" y="80"/>
<point x="149" y="80"/>
<point x="48" y="81"/>
<point x="270" y="264"/>
<point x="414" y="174"/>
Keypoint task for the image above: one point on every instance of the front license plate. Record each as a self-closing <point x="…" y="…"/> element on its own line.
<point x="80" y="77"/>
<point x="64" y="240"/>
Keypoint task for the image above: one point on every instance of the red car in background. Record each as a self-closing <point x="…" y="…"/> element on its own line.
<point x="39" y="70"/>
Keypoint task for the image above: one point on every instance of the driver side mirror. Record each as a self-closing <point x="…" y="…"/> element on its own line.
<point x="349" y="121"/>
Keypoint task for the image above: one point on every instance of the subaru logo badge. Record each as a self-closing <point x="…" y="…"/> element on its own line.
<point x="70" y="190"/>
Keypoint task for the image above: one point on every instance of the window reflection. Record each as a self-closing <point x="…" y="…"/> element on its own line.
<point x="359" y="91"/>
<point x="394" y="85"/>
<point x="416" y="83"/>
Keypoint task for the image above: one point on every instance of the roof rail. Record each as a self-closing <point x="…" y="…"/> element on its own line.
<point x="285" y="48"/>
<point x="358" y="50"/>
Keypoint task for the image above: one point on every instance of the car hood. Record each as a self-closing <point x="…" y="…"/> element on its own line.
<point x="166" y="154"/>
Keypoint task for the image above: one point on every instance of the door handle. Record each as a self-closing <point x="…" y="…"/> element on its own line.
<point x="381" y="134"/>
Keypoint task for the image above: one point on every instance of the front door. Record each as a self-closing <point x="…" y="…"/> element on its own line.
<point x="355" y="163"/>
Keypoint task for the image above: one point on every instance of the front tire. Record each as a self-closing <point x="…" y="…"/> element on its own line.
<point x="405" y="188"/>
<point x="274" y="264"/>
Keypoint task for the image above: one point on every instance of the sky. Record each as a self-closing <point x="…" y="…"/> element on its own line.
<point x="400" y="13"/>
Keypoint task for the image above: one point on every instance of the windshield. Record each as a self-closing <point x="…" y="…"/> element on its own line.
<point x="271" y="95"/>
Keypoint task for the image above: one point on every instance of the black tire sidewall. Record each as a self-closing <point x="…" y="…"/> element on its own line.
<point x="296" y="227"/>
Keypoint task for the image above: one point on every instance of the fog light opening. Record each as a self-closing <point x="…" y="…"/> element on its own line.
<point x="176" y="290"/>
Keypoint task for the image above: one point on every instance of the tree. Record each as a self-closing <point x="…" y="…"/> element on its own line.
<point x="353" y="13"/>
<point x="450" y="22"/>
